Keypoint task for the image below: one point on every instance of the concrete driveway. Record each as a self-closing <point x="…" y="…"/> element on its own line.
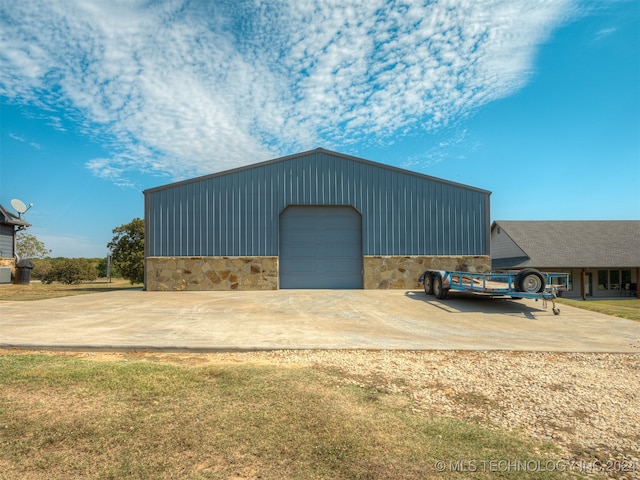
<point x="308" y="319"/>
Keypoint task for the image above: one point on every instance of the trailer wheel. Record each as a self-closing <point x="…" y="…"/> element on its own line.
<point x="438" y="289"/>
<point x="428" y="284"/>
<point x="529" y="280"/>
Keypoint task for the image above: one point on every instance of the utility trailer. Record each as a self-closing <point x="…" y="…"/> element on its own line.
<point x="527" y="283"/>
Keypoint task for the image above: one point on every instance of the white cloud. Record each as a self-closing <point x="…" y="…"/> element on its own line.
<point x="190" y="89"/>
<point x="20" y="138"/>
<point x="456" y="145"/>
<point x="605" y="32"/>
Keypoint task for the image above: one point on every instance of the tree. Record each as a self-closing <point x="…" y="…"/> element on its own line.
<point x="127" y="250"/>
<point x="28" y="246"/>
<point x="101" y="265"/>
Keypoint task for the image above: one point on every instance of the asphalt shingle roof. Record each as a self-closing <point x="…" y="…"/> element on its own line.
<point x="565" y="244"/>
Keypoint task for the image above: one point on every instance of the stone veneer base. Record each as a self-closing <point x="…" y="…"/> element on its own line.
<point x="211" y="273"/>
<point x="396" y="272"/>
<point x="261" y="273"/>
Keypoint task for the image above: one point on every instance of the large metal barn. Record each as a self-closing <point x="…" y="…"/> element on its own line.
<point x="317" y="219"/>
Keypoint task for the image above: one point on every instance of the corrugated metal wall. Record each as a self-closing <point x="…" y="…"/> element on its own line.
<point x="236" y="213"/>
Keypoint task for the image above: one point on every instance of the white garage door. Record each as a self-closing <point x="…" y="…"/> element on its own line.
<point x="320" y="247"/>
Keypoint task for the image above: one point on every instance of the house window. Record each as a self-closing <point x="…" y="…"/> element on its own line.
<point x="603" y="279"/>
<point x="613" y="279"/>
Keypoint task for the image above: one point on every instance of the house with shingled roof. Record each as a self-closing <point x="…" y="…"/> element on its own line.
<point x="9" y="225"/>
<point x="602" y="258"/>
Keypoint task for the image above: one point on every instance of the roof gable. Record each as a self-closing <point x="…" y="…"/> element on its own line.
<point x="566" y="244"/>
<point x="321" y="151"/>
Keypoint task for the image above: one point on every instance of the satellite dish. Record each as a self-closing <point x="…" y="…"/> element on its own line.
<point x="19" y="206"/>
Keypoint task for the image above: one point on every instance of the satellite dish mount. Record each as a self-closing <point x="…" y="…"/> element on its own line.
<point x="20" y="207"/>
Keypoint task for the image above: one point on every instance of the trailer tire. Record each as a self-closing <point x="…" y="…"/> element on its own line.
<point x="438" y="288"/>
<point x="529" y="280"/>
<point x="428" y="283"/>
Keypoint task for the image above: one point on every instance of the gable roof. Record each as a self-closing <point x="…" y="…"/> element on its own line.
<point x="570" y="244"/>
<point x="9" y="218"/>
<point x="326" y="152"/>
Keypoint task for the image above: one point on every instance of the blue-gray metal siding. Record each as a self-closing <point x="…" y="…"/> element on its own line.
<point x="236" y="213"/>
<point x="6" y="240"/>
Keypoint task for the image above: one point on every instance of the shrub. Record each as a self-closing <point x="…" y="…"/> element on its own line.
<point x="41" y="268"/>
<point x="70" y="271"/>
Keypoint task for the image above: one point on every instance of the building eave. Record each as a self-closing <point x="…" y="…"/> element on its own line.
<point x="8" y="218"/>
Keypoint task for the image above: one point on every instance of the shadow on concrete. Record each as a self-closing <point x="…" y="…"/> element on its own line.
<point x="462" y="302"/>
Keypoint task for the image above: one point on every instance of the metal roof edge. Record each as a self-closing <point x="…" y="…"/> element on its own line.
<point x="309" y="152"/>
<point x="404" y="171"/>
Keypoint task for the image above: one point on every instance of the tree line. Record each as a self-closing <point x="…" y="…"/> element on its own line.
<point x="127" y="258"/>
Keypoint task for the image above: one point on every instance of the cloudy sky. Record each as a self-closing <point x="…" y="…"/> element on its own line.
<point x="537" y="101"/>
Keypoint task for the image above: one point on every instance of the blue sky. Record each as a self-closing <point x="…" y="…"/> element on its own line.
<point x="538" y="102"/>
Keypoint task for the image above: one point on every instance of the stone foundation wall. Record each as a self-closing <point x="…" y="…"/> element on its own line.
<point x="261" y="273"/>
<point x="9" y="262"/>
<point x="211" y="273"/>
<point x="403" y="272"/>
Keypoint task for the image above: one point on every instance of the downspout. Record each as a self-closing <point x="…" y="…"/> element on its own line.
<point x="583" y="281"/>
<point x="15" y="254"/>
<point x="15" y="245"/>
<point x="15" y="242"/>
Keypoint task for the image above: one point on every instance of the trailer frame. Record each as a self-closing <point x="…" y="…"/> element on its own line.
<point x="527" y="283"/>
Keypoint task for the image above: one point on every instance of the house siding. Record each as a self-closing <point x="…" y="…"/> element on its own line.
<point x="504" y="251"/>
<point x="6" y="241"/>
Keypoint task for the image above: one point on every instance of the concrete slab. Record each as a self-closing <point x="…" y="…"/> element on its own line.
<point x="308" y="319"/>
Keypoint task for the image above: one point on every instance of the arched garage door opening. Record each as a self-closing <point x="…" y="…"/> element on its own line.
<point x="320" y="247"/>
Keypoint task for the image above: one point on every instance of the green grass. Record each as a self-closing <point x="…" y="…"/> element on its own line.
<point x="40" y="291"/>
<point x="623" y="308"/>
<point x="62" y="417"/>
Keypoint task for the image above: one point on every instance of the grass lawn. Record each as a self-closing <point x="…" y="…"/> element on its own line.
<point x="40" y="291"/>
<point x="63" y="417"/>
<point x="624" y="308"/>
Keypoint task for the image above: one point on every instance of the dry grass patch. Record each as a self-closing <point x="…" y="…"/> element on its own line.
<point x="41" y="291"/>
<point x="64" y="417"/>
